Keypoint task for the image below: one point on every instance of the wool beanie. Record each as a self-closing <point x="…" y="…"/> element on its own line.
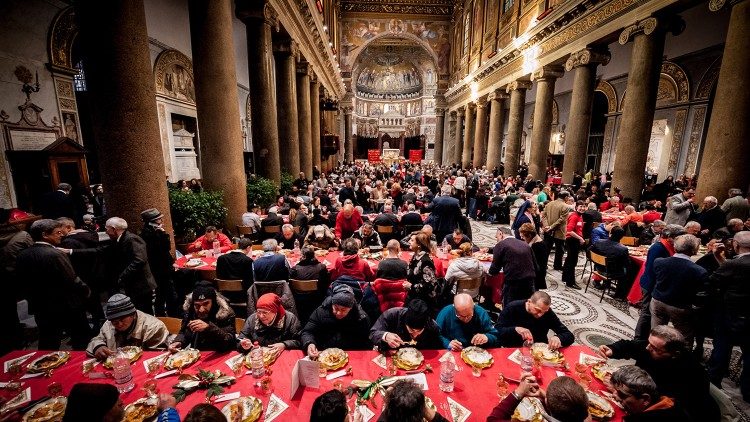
<point x="417" y="314"/>
<point x="343" y="295"/>
<point x="118" y="306"/>
<point x="204" y="290"/>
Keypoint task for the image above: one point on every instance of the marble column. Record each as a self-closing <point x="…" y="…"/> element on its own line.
<point x="468" y="136"/>
<point x="459" y="138"/>
<point x="517" y="91"/>
<point x="450" y="151"/>
<point x="584" y="81"/>
<point x="495" y="136"/>
<point x="285" y="54"/>
<point x="216" y="99"/>
<point x="640" y="102"/>
<point x="480" y="133"/>
<point x="315" y="122"/>
<point x="545" y="78"/>
<point x="259" y="17"/>
<point x="348" y="144"/>
<point x="437" y="156"/>
<point x="124" y="116"/>
<point x="303" y="119"/>
<point x="726" y="151"/>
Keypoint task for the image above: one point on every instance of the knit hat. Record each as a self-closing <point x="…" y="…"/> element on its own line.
<point x="90" y="402"/>
<point x="343" y="295"/>
<point x="417" y="314"/>
<point x="118" y="306"/>
<point x="204" y="290"/>
<point x="271" y="302"/>
<point x="151" y="214"/>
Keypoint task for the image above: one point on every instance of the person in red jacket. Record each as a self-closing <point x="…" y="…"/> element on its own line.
<point x="206" y="241"/>
<point x="565" y="400"/>
<point x="349" y="263"/>
<point x="348" y="221"/>
<point x="573" y="242"/>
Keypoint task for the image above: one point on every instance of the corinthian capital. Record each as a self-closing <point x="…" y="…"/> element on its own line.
<point x="255" y="11"/>
<point x="517" y="85"/>
<point x="461" y="111"/>
<point x="547" y="72"/>
<point x="586" y="57"/>
<point x="648" y="26"/>
<point x="497" y="94"/>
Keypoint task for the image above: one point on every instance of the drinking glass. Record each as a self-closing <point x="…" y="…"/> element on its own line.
<point x="502" y="387"/>
<point x="239" y="369"/>
<point x="54" y="389"/>
<point x="323" y="371"/>
<point x="476" y="371"/>
<point x="150" y="388"/>
<point x="527" y="365"/>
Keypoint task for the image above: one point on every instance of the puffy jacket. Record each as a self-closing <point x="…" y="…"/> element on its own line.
<point x="390" y="293"/>
<point x="353" y="266"/>
<point x="363" y="292"/>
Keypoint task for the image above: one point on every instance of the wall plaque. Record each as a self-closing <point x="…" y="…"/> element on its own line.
<point x="31" y="140"/>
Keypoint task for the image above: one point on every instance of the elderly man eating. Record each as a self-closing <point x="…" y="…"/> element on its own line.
<point x="465" y="324"/>
<point x="532" y="319"/>
<point x="206" y="241"/>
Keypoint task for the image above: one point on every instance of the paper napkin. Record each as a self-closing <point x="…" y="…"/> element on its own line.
<point x="22" y="398"/>
<point x="155" y="358"/>
<point x="227" y="396"/>
<point x="458" y="412"/>
<point x="588" y="359"/>
<point x="380" y="361"/>
<point x="366" y="413"/>
<point x="515" y="357"/>
<point x="27" y="376"/>
<point x="166" y="374"/>
<point x="231" y="362"/>
<point x="275" y="407"/>
<point x="19" y="360"/>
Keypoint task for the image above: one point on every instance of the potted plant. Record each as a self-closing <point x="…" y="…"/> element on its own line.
<point x="261" y="191"/>
<point x="193" y="212"/>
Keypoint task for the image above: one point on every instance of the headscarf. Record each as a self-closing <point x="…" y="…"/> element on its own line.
<point x="271" y="302"/>
<point x="521" y="211"/>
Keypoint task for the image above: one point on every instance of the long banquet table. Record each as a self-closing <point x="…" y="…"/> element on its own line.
<point x="476" y="394"/>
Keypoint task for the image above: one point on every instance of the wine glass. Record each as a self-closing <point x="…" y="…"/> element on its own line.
<point x="502" y="386"/>
<point x="54" y="389"/>
<point x="476" y="371"/>
<point x="150" y="388"/>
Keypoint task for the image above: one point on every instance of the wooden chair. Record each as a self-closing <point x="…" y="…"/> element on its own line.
<point x="271" y="230"/>
<point x="469" y="285"/>
<point x="239" y="324"/>
<point x="173" y="324"/>
<point x="607" y="275"/>
<point x="384" y="229"/>
<point x="303" y="286"/>
<point x="244" y="231"/>
<point x="232" y="289"/>
<point x="629" y="241"/>
<point x="257" y="247"/>
<point x="209" y="275"/>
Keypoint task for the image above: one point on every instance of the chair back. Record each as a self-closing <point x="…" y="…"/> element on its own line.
<point x="244" y="230"/>
<point x="209" y="275"/>
<point x="384" y="229"/>
<point x="598" y="259"/>
<point x="279" y="287"/>
<point x="303" y="286"/>
<point x="271" y="229"/>
<point x="239" y="324"/>
<point x="256" y="247"/>
<point x="173" y="324"/>
<point x="471" y="284"/>
<point x="229" y="285"/>
<point x="629" y="241"/>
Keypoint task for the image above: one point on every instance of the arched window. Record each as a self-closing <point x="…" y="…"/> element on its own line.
<point x="79" y="79"/>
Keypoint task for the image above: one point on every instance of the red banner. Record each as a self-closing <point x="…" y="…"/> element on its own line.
<point x="415" y="155"/>
<point x="373" y="155"/>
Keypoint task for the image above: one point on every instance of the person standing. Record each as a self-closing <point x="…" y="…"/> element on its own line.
<point x="515" y="259"/>
<point x="445" y="213"/>
<point x="573" y="242"/>
<point x="554" y="219"/>
<point x="160" y="260"/>
<point x="680" y="207"/>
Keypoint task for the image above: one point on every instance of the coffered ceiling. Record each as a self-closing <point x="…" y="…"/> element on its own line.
<point x="410" y="7"/>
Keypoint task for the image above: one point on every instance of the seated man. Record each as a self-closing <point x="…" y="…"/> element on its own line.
<point x="532" y="319"/>
<point x="676" y="372"/>
<point x="236" y="264"/>
<point x="206" y="241"/>
<point x="405" y="401"/>
<point x="455" y="239"/>
<point x="652" y="233"/>
<point x="271" y="266"/>
<point x="270" y="220"/>
<point x="601" y="231"/>
<point x="287" y="237"/>
<point x="617" y="258"/>
<point x="641" y="399"/>
<point x="252" y="218"/>
<point x="330" y="407"/>
<point x="565" y="400"/>
<point x="392" y="267"/>
<point x="612" y="205"/>
<point x="368" y="237"/>
<point x="317" y="219"/>
<point x="126" y="326"/>
<point x="350" y="264"/>
<point x="412" y="217"/>
<point x="650" y="215"/>
<point x="321" y="237"/>
<point x="347" y="222"/>
<point x="406" y="326"/>
<point x="208" y="323"/>
<point x="425" y="229"/>
<point x="386" y="218"/>
<point x="465" y="324"/>
<point x="734" y="225"/>
<point x="338" y="322"/>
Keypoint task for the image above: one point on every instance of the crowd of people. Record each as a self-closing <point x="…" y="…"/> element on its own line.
<point x="104" y="295"/>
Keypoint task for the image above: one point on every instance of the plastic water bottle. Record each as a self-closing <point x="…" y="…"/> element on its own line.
<point x="447" y="373"/>
<point x="256" y="361"/>
<point x="122" y="373"/>
<point x="296" y="246"/>
<point x="217" y="248"/>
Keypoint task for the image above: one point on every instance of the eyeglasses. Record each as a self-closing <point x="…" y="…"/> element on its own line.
<point x="263" y="312"/>
<point x="464" y="317"/>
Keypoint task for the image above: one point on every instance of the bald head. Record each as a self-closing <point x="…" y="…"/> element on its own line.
<point x="463" y="302"/>
<point x="348" y="210"/>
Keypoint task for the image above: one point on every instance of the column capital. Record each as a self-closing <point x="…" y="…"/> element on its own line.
<point x="461" y="111"/>
<point x="716" y="5"/>
<point x="481" y="102"/>
<point x="253" y="11"/>
<point x="547" y="73"/>
<point x="587" y="56"/>
<point x="497" y="95"/>
<point x="439" y="111"/>
<point x="517" y="85"/>
<point x="285" y="47"/>
<point x="304" y="68"/>
<point x="347" y="110"/>
<point x="648" y="26"/>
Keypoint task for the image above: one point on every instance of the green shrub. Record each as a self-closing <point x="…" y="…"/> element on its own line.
<point x="261" y="191"/>
<point x="286" y="182"/>
<point x="193" y="212"/>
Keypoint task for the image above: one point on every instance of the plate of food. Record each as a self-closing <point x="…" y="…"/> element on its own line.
<point x="528" y="410"/>
<point x="477" y="357"/>
<point x="483" y="256"/>
<point x="285" y="252"/>
<point x="372" y="255"/>
<point x="269" y="357"/>
<point x="48" y="361"/>
<point x="542" y="350"/>
<point x="321" y="252"/>
<point x="599" y="408"/>
<point x="194" y="262"/>
<point x="182" y="359"/>
<point x="333" y="358"/>
<point x="132" y="352"/>
<point x="243" y="409"/>
<point x="408" y="358"/>
<point x="141" y="410"/>
<point x="602" y="371"/>
<point x="51" y="410"/>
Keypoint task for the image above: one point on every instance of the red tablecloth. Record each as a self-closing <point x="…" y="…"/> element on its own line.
<point x="634" y="296"/>
<point x="477" y="394"/>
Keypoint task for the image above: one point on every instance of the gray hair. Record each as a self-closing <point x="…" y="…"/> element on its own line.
<point x="393" y="246"/>
<point x="690" y="224"/>
<point x="711" y="199"/>
<point x="270" y="245"/>
<point x="67" y="221"/>
<point x="505" y="231"/>
<point x="687" y="244"/>
<point x="117" y="223"/>
<point x="540" y="296"/>
<point x="637" y="381"/>
<point x="735" y="192"/>
<point x="287" y="227"/>
<point x="672" y="231"/>
<point x="735" y="222"/>
<point x="742" y="239"/>
<point x="64" y="186"/>
<point x="42" y="227"/>
<point x="659" y="223"/>
<point x="673" y="339"/>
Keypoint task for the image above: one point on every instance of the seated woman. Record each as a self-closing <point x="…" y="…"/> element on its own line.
<point x="321" y="237"/>
<point x="350" y="264"/>
<point x="540" y="252"/>
<point x="271" y="326"/>
<point x="465" y="266"/>
<point x="338" y="322"/>
<point x="420" y="277"/>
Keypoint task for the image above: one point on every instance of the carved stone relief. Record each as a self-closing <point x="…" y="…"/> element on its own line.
<point x="695" y="139"/>
<point x="173" y="73"/>
<point x="608" y="90"/>
<point x="679" y="129"/>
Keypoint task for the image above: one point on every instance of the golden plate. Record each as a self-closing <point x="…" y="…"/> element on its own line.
<point x="48" y="361"/>
<point x="599" y="408"/>
<point x="528" y="410"/>
<point x="133" y="352"/>
<point x="552" y="356"/>
<point x="333" y="358"/>
<point x="141" y="410"/>
<point x="602" y="371"/>
<point x="268" y="358"/>
<point x="408" y="358"/>
<point x="483" y="256"/>
<point x="182" y="359"/>
<point x="243" y="409"/>
<point x="51" y="410"/>
<point x="477" y="357"/>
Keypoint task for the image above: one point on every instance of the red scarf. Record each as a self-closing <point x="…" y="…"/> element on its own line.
<point x="271" y="302"/>
<point x="668" y="245"/>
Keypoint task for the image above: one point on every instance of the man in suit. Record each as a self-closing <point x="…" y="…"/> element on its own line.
<point x="445" y="213"/>
<point x="160" y="260"/>
<point x="554" y="218"/>
<point x="412" y="217"/>
<point x="680" y="207"/>
<point x="58" y="203"/>
<point x="57" y="296"/>
<point x="617" y="256"/>
<point x="271" y="266"/>
<point x="236" y="264"/>
<point x="732" y="327"/>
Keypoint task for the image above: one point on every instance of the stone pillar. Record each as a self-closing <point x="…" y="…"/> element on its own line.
<point x="459" y="139"/>
<point x="517" y="91"/>
<point x="437" y="156"/>
<point x="480" y="133"/>
<point x="348" y="144"/>
<point x="303" y="119"/>
<point x="640" y="102"/>
<point x="216" y="98"/>
<point x="584" y="81"/>
<point x="726" y="152"/>
<point x="315" y="121"/>
<point x="468" y="136"/>
<point x="124" y="116"/>
<point x="495" y="137"/>
<point x="545" y="78"/>
<point x="285" y="53"/>
<point x="259" y="17"/>
<point x="450" y="151"/>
